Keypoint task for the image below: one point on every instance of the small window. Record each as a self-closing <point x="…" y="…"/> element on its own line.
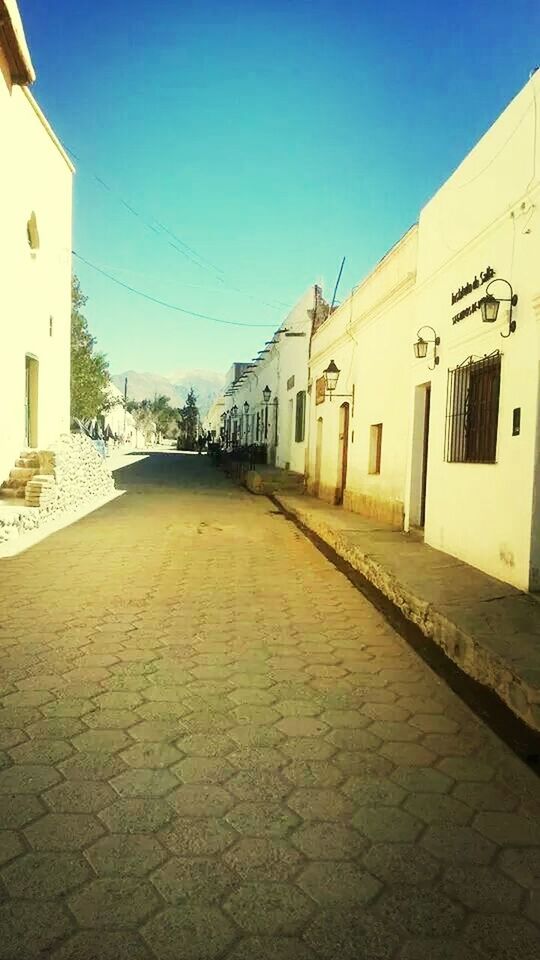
<point x="300" y="416"/>
<point x="32" y="231"/>
<point x="375" y="446"/>
<point x="472" y="411"/>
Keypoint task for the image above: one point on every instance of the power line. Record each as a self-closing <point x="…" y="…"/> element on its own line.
<point x="163" y="303"/>
<point x="176" y="242"/>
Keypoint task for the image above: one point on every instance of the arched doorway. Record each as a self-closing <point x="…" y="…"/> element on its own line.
<point x="343" y="451"/>
<point x="31" y="400"/>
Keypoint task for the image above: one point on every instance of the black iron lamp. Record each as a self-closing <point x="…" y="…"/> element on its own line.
<point x="331" y="377"/>
<point x="246" y="408"/>
<point x="267" y="393"/>
<point x="489" y="306"/>
<point x="234" y="410"/>
<point x="421" y="346"/>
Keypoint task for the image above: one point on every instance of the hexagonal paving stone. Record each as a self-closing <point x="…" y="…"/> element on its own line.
<point x="55" y="728"/>
<point x="298" y="708"/>
<point x="401" y="863"/>
<point x="407" y="754"/>
<point x="30" y="929"/>
<point x="79" y="796"/>
<point x="251" y="695"/>
<point x="257" y="858"/>
<point x="201" y="880"/>
<point x="201" y="745"/>
<point x="351" y="934"/>
<point x="201" y="800"/>
<point x="137" y="815"/>
<point x="115" y="902"/>
<point x="131" y="855"/>
<point x="246" y="758"/>
<point x="438" y="808"/>
<point x="466" y="768"/>
<point x="312" y="773"/>
<point x="108" y="741"/>
<point x="346" y="738"/>
<point x="27" y="778"/>
<point x="254" y="713"/>
<point x="63" y="831"/>
<point x="347" y="719"/>
<point x="522" y="865"/>
<point x="433" y="723"/>
<point x="207" y="722"/>
<point x="10" y="846"/>
<point x="249" y="734"/>
<point x="193" y="932"/>
<point x="93" y="945"/>
<point x="422" y="911"/>
<point x="262" y="819"/>
<point x="370" y="791"/>
<point x="307" y="748"/>
<point x="44" y="876"/>
<point x="118" y="700"/>
<point x="198" y="838"/>
<point x="301" y="726"/>
<point x="156" y="731"/>
<point x="486" y="796"/>
<point x="386" y="824"/>
<point x="368" y="765"/>
<point x="41" y="751"/>
<point x="421" y="779"/>
<point x="91" y="766"/>
<point x="271" y="948"/>
<point x="426" y="948"/>
<point x="203" y="770"/>
<point x="320" y="804"/>
<point x="269" y="908"/>
<point x="482" y="889"/>
<point x="110" y="719"/>
<point x="144" y="783"/>
<point x="394" y="730"/>
<point x="328" y="841"/>
<point x="508" y="829"/>
<point x="338" y="883"/>
<point x="455" y="844"/>
<point x="504" y="937"/>
<point x="258" y="785"/>
<point x="18" y="810"/>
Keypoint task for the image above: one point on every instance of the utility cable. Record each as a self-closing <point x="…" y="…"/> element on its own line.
<point x="181" y="247"/>
<point x="163" y="303"/>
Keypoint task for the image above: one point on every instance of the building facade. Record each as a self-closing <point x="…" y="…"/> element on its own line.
<point x="434" y="423"/>
<point x="35" y="256"/>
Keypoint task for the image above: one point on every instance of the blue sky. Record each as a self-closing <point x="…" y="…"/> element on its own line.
<point x="273" y="138"/>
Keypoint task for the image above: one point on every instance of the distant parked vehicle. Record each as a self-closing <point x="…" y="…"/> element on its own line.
<point x="92" y="432"/>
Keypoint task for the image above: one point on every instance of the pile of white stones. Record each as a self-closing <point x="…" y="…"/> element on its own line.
<point x="72" y="474"/>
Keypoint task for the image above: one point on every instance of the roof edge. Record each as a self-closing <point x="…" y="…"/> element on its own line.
<point x="13" y="40"/>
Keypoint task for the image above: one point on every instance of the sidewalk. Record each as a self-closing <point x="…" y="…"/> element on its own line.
<point x="488" y="628"/>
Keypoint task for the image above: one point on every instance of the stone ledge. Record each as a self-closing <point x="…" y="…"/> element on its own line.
<point x="486" y="627"/>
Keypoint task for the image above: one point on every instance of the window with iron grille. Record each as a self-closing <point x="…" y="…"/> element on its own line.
<point x="300" y="416"/>
<point x="472" y="410"/>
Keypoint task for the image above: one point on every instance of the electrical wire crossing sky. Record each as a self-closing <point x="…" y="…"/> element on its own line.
<point x="228" y="156"/>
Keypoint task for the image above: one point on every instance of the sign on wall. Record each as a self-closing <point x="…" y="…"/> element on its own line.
<point x="290" y="382"/>
<point x="468" y="288"/>
<point x="320" y="390"/>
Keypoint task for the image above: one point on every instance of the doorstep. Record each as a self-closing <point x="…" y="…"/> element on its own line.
<point x="488" y="628"/>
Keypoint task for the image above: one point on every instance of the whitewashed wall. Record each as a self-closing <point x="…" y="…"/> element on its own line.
<point x="35" y="175"/>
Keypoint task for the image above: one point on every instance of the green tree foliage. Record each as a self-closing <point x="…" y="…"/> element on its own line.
<point x="189" y="421"/>
<point x="89" y="368"/>
<point x="157" y="412"/>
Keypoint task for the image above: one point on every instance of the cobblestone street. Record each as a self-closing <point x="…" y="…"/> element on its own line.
<point x="213" y="746"/>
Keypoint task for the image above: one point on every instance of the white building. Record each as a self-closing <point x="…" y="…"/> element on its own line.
<point x="119" y="420"/>
<point x="266" y="405"/>
<point x="449" y="442"/>
<point x="35" y="257"/>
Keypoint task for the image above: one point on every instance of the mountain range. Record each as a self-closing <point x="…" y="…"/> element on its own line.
<point x="207" y="385"/>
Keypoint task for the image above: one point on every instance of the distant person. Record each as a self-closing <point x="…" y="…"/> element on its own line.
<point x="200" y="443"/>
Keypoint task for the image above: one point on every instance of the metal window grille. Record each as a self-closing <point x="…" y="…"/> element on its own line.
<point x="300" y="416"/>
<point x="472" y="410"/>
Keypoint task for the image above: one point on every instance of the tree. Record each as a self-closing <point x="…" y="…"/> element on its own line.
<point x="189" y="421"/>
<point x="89" y="368"/>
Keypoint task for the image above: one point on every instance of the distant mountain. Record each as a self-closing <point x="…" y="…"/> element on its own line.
<point x="144" y="386"/>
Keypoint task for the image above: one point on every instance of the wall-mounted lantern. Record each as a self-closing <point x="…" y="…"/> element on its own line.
<point x="267" y="393"/>
<point x="421" y="346"/>
<point x="490" y="306"/>
<point x="234" y="410"/>
<point x="331" y="377"/>
<point x="246" y="408"/>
